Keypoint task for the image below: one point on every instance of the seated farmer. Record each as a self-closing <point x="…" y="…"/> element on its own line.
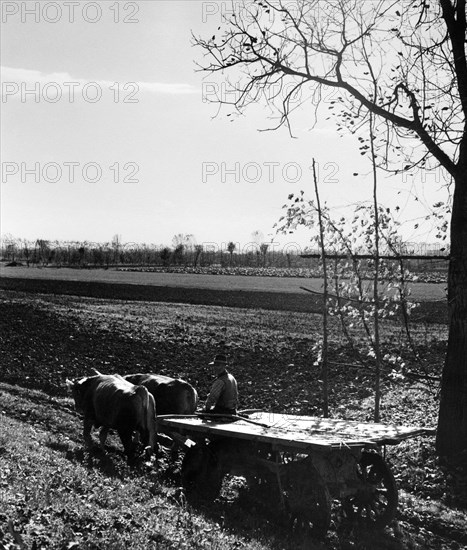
<point x="223" y="397"/>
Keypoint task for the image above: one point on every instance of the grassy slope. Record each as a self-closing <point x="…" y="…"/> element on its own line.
<point x="46" y="338"/>
<point x="58" y="496"/>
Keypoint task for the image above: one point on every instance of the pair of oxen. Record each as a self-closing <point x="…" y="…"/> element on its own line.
<point x="128" y="404"/>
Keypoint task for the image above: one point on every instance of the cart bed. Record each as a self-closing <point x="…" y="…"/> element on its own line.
<point x="297" y="432"/>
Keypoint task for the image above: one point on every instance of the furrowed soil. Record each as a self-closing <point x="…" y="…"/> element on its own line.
<point x="54" y="495"/>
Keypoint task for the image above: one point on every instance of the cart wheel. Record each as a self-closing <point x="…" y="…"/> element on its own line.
<point x="375" y="503"/>
<point x="307" y="499"/>
<point x="201" y="476"/>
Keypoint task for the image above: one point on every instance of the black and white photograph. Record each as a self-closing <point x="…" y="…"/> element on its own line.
<point x="233" y="274"/>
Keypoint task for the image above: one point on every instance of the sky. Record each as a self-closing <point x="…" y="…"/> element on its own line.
<point x="106" y="129"/>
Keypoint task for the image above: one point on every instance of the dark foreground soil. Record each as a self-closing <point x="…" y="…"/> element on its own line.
<point x="46" y="338"/>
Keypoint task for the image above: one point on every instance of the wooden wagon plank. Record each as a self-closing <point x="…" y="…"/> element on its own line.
<point x="298" y="441"/>
<point x="247" y="432"/>
<point x="343" y="429"/>
<point x="299" y="432"/>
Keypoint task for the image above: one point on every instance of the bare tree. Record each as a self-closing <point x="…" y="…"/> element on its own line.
<point x="324" y="352"/>
<point x="183" y="243"/>
<point x="116" y="245"/>
<point x="10" y="247"/>
<point x="178" y="254"/>
<point x="263" y="248"/>
<point x="257" y="238"/>
<point x="42" y="251"/>
<point x="198" y="251"/>
<point x="403" y="62"/>
<point x="165" y="256"/>
<point x="82" y="254"/>
<point x="231" y="248"/>
<point x="26" y="250"/>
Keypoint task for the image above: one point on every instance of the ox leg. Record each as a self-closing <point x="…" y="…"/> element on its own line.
<point x="103" y="437"/>
<point x="140" y="438"/>
<point x="126" y="437"/>
<point x="87" y="427"/>
<point x="150" y="444"/>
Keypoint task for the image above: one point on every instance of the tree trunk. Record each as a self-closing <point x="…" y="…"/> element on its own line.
<point x="324" y="355"/>
<point x="452" y="422"/>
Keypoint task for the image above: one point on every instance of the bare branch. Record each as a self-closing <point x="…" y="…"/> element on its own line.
<point x="419" y="91"/>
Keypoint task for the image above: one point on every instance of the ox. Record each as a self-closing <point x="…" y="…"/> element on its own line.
<point x="111" y="402"/>
<point x="173" y="396"/>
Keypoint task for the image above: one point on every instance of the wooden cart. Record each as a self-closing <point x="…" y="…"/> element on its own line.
<point x="301" y="462"/>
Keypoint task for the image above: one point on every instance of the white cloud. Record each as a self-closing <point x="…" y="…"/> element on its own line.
<point x="11" y="76"/>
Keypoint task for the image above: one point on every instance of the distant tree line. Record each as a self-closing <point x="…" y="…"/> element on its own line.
<point x="184" y="252"/>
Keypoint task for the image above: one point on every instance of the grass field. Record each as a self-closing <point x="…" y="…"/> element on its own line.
<point x="419" y="291"/>
<point x="54" y="495"/>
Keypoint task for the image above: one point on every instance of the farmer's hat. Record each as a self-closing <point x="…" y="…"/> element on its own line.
<point x="219" y="360"/>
